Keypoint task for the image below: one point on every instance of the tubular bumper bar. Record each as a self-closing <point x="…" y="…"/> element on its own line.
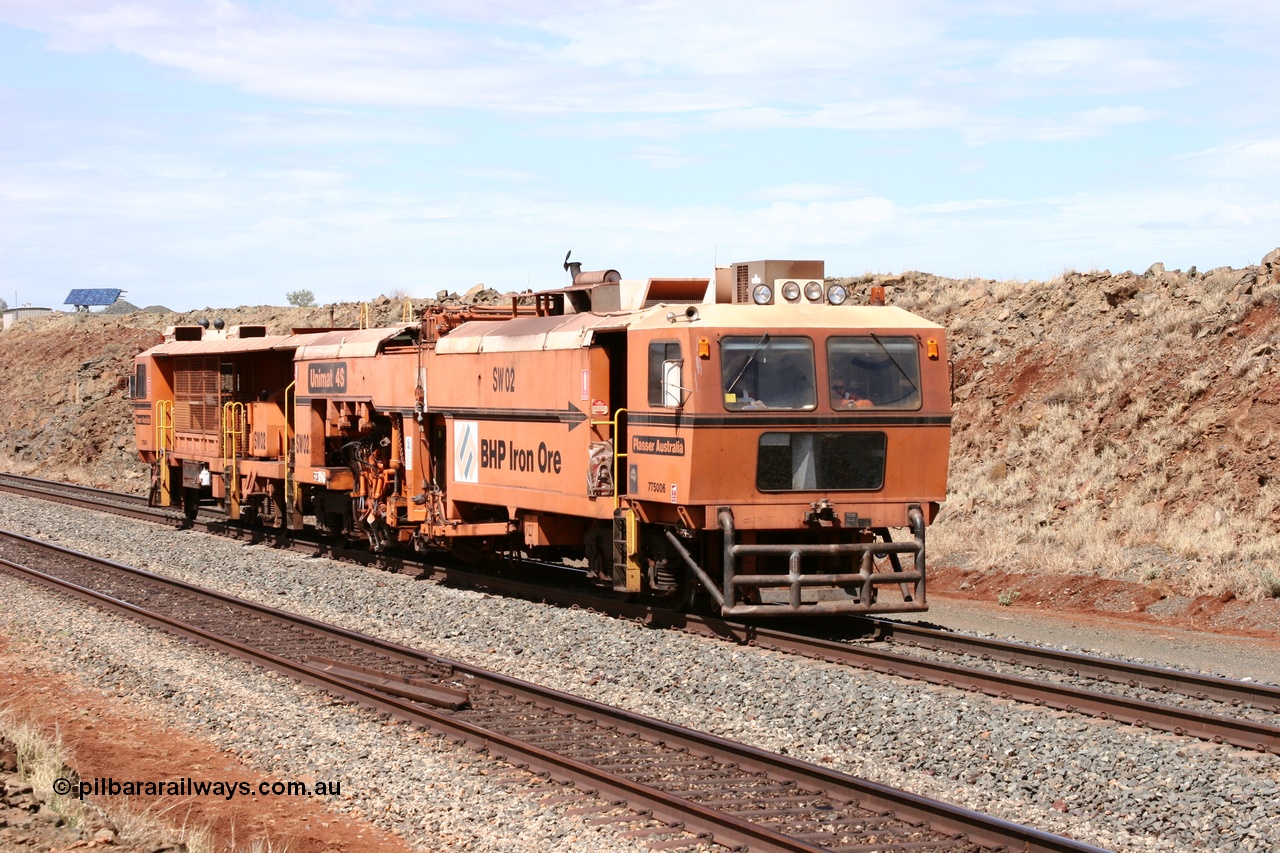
<point x="864" y="582"/>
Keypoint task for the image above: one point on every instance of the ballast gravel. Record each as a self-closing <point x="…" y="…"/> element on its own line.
<point x="1110" y="785"/>
<point x="420" y="786"/>
<point x="1260" y="714"/>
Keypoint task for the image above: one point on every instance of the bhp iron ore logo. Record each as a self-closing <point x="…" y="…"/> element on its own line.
<point x="327" y="376"/>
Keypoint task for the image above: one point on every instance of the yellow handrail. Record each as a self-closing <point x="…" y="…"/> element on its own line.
<point x="163" y="429"/>
<point x="364" y="315"/>
<point x="291" y="459"/>
<point x="406" y="313"/>
<point x="162" y="425"/>
<point x="617" y="454"/>
<point x="233" y="425"/>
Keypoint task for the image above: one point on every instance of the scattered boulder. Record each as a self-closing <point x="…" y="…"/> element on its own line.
<point x="1122" y="292"/>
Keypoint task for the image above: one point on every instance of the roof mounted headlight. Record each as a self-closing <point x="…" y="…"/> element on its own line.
<point x="813" y="291"/>
<point x="837" y="294"/>
<point x="762" y="294"/>
<point x="790" y="291"/>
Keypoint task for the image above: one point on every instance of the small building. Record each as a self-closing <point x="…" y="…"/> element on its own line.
<point x="13" y="315"/>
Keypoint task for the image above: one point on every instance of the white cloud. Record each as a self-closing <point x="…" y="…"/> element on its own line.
<point x="822" y="130"/>
<point x="1245" y="160"/>
<point x="803" y="192"/>
<point x="637" y="69"/>
<point x="964" y="205"/>
<point x="248" y="238"/>
<point x="512" y="176"/>
<point x="891" y="116"/>
<point x="726" y="37"/>
<point x="1081" y="125"/>
<point x="319" y="127"/>
<point x="662" y="157"/>
<point x="659" y="56"/>
<point x="1096" y="64"/>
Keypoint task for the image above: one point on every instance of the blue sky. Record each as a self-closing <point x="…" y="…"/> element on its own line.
<point x="223" y="153"/>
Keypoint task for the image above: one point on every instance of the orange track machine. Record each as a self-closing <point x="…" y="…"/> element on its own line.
<point x="749" y="439"/>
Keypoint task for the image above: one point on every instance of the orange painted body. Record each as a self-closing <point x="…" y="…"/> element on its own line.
<point x="685" y="452"/>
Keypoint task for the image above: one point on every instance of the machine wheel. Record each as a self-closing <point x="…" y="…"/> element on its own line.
<point x="596" y="565"/>
<point x="684" y="599"/>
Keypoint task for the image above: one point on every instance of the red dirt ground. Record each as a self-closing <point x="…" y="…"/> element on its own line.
<point x="1118" y="602"/>
<point x="107" y="737"/>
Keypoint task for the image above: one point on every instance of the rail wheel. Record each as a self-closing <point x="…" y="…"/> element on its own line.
<point x="685" y="596"/>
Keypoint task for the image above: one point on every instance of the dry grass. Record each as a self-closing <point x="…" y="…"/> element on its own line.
<point x="1060" y="501"/>
<point x="1131" y="457"/>
<point x="42" y="760"/>
<point x="156" y="823"/>
<point x="40" y="764"/>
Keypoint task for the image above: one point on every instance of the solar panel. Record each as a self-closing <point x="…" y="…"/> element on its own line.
<point x="89" y="297"/>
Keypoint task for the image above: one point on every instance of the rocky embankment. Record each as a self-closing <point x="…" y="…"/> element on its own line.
<point x="30" y="822"/>
<point x="1122" y="425"/>
<point x="1114" y="425"/>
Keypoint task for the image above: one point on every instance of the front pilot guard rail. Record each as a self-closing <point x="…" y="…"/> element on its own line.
<point x="865" y="580"/>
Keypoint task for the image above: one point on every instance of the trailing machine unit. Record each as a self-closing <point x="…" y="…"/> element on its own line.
<point x="747" y="440"/>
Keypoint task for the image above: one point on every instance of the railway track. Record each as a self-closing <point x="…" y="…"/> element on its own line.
<point x="88" y="497"/>
<point x="673" y="786"/>
<point x="1221" y="710"/>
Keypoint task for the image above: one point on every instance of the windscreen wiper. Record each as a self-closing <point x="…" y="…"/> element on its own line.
<point x="904" y="373"/>
<point x="750" y="358"/>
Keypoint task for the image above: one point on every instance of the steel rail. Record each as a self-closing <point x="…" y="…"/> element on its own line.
<point x="725" y="828"/>
<point x="88" y="497"/>
<point x="41" y="483"/>
<point x="20" y="483"/>
<point x="1217" y="728"/>
<point x="1249" y="734"/>
<point x="728" y="829"/>
<point x="1163" y="679"/>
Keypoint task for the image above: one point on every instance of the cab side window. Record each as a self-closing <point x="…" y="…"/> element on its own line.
<point x="138" y="391"/>
<point x="659" y="354"/>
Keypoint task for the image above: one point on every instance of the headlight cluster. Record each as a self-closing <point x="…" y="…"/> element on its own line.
<point x="812" y="290"/>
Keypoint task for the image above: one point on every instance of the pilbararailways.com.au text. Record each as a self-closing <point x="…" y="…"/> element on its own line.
<point x="188" y="787"/>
